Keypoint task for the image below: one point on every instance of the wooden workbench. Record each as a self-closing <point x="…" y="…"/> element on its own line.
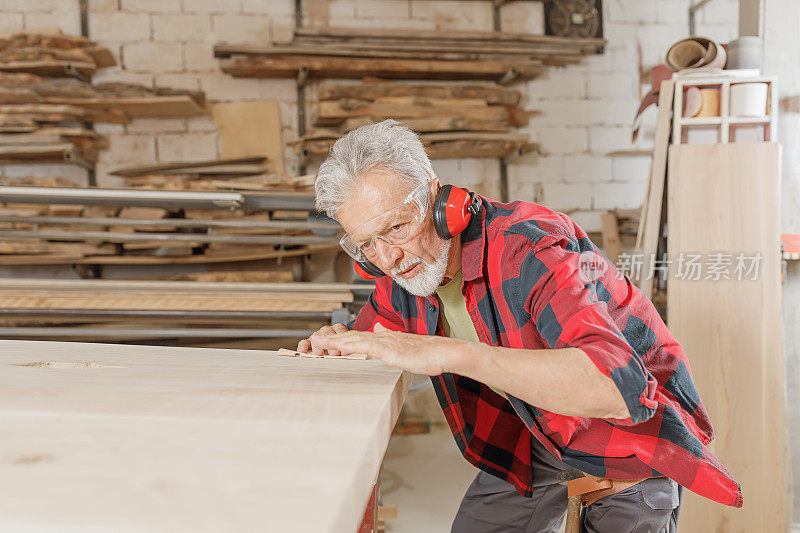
<point x="187" y="439"/>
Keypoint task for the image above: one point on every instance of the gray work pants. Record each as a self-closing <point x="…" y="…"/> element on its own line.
<point x="491" y="505"/>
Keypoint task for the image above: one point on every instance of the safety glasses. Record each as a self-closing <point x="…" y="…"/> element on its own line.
<point x="393" y="227"/>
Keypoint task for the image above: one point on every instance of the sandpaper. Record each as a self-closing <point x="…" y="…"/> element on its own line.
<point x="292" y="353"/>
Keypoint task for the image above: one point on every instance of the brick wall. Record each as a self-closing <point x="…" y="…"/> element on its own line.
<point x="586" y="108"/>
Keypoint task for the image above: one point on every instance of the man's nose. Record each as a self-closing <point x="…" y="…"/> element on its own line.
<point x="388" y="254"/>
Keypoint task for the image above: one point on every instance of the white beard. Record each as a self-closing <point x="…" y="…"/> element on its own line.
<point x="428" y="279"/>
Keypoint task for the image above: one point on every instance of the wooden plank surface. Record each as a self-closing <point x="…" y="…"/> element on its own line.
<point x="183" y="439"/>
<point x="724" y="198"/>
<point x="250" y="129"/>
<point x="92" y="285"/>
<point x="612" y="245"/>
<point x="370" y="91"/>
<point x="354" y="67"/>
<point x="178" y="106"/>
<point x="650" y="219"/>
<point x="437" y="35"/>
<point x="156" y="169"/>
<point x="172" y="295"/>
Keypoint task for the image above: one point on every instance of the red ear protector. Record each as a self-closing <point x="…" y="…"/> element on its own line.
<point x="452" y="210"/>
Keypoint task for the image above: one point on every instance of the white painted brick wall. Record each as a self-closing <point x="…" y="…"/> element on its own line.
<point x="642" y="11"/>
<point x="119" y="26"/>
<point x="382" y="9"/>
<point x="567" y="196"/>
<point x="273" y="8"/>
<point x="152" y="56"/>
<point x="181" y="27"/>
<point x="63" y="15"/>
<point x="589" y="220"/>
<point x="612" y="87"/>
<point x="11" y="22"/>
<point x="240" y="28"/>
<point x="522" y="17"/>
<point x="153" y="6"/>
<point x="186" y="146"/>
<point x="448" y="15"/>
<point x="130" y="149"/>
<point x="584" y="168"/>
<point x="630" y="168"/>
<point x="30" y="6"/>
<point x="618" y="195"/>
<point x="560" y="139"/>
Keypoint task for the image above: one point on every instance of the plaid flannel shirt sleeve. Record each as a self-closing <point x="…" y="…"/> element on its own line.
<point x="571" y="312"/>
<point x="378" y="309"/>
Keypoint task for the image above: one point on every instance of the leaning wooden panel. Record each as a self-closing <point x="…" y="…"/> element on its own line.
<point x="250" y="129"/>
<point x="724" y="198"/>
<point x="650" y="218"/>
<point x="141" y="438"/>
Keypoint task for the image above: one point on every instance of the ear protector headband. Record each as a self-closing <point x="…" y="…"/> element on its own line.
<point x="452" y="210"/>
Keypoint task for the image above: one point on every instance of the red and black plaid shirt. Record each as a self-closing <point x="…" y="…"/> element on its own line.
<point x="523" y="289"/>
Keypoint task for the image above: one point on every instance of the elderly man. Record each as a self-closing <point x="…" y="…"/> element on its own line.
<point x="547" y="363"/>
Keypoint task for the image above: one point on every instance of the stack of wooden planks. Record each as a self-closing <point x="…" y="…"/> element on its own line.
<point x="52" y="53"/>
<point x="45" y="120"/>
<point x="241" y="173"/>
<point x="127" y="99"/>
<point x="47" y="104"/>
<point x="405" y="54"/>
<point x="85" y="233"/>
<point x="83" y="295"/>
<point x="185" y="312"/>
<point x="124" y="100"/>
<point x="454" y="121"/>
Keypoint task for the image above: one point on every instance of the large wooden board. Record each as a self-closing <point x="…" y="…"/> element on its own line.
<point x="650" y="219"/>
<point x="250" y="129"/>
<point x="725" y="198"/>
<point x="185" y="439"/>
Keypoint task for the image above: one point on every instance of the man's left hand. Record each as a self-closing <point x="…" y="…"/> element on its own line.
<point x="421" y="354"/>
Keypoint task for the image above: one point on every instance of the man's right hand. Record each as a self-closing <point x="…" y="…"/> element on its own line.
<point x="311" y="344"/>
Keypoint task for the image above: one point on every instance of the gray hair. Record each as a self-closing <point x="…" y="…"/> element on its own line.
<point x="386" y="145"/>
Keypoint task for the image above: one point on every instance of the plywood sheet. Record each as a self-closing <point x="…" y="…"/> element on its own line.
<point x="250" y="129"/>
<point x="724" y="198"/>
<point x="139" y="438"/>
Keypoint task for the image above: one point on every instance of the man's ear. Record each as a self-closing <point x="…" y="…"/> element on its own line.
<point x="434" y="186"/>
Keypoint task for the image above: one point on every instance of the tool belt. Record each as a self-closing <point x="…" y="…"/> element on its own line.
<point x="591" y="488"/>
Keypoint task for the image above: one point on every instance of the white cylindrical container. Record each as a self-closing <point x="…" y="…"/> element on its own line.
<point x="748" y="99"/>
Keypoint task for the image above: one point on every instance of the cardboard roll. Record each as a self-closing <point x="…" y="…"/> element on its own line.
<point x="749" y="99"/>
<point x="701" y="102"/>
<point x="696" y="52"/>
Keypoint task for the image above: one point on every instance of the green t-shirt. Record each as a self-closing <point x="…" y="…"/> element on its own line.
<point x="456" y="322"/>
